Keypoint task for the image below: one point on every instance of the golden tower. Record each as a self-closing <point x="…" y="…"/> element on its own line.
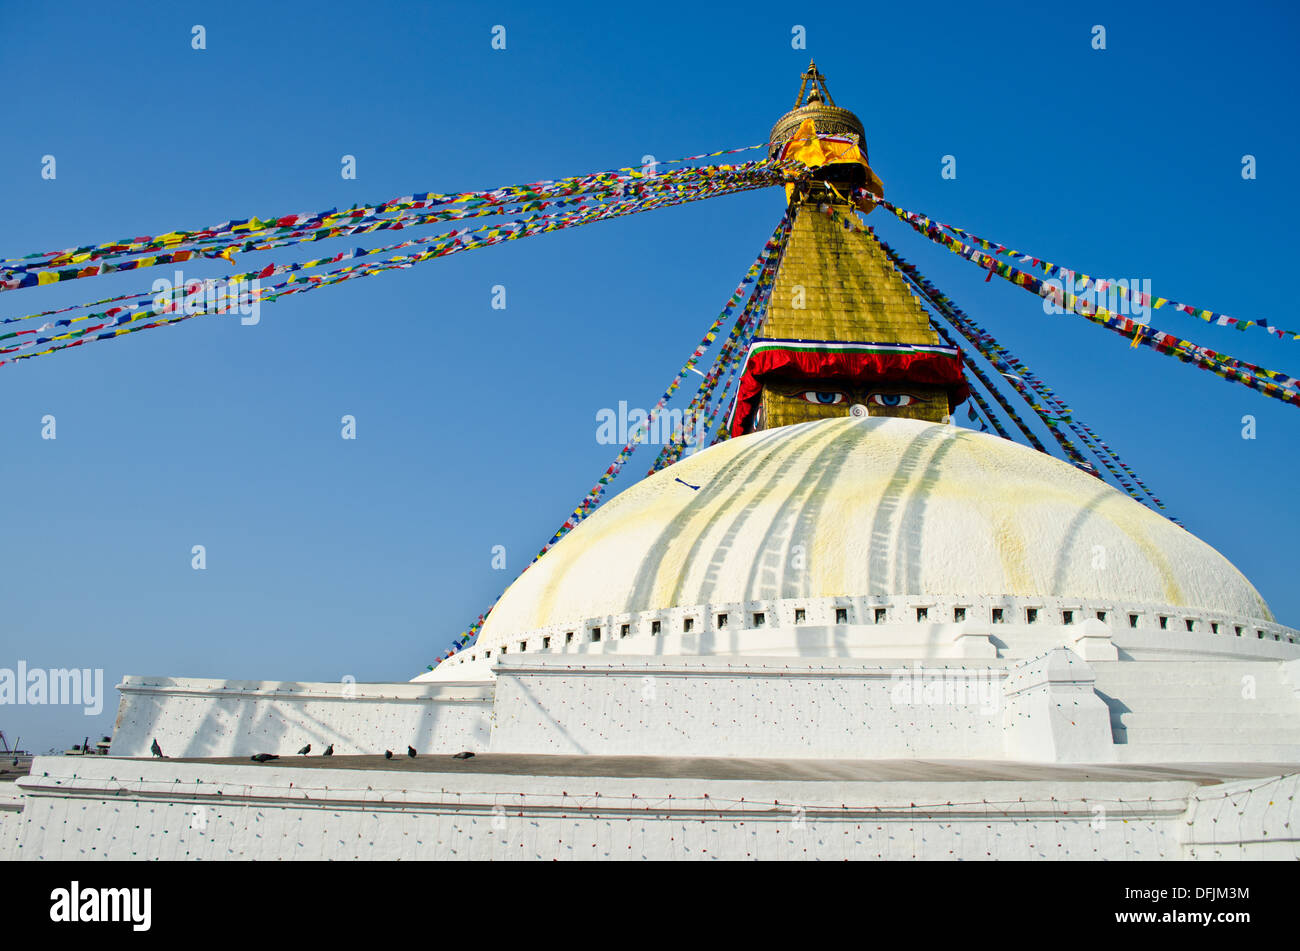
<point x="844" y="334"/>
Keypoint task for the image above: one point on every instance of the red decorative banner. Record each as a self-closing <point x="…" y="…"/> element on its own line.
<point x="850" y="362"/>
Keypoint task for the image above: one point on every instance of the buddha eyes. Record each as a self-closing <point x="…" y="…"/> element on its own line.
<point x="893" y="399"/>
<point x="823" y="397"/>
<point x="835" y="397"/>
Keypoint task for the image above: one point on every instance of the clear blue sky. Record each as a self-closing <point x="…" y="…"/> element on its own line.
<point x="477" y="427"/>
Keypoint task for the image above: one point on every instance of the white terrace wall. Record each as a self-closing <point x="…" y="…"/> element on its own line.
<point x="1198" y="711"/>
<point x="11" y="809"/>
<point x="1052" y="708"/>
<point x="1251" y="819"/>
<point x="827" y="708"/>
<point x="111" y="809"/>
<point x="1055" y="707"/>
<point x="211" y="718"/>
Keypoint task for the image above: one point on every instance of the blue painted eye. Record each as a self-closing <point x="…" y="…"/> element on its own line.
<point x="824" y="397"/>
<point x="893" y="399"/>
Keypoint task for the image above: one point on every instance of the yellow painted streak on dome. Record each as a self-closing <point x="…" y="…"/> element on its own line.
<point x="596" y="534"/>
<point x="1010" y="546"/>
<point x="912" y="483"/>
<point x="990" y="497"/>
<point x="855" y="485"/>
<point x="1132" y="522"/>
<point x="818" y="533"/>
<point x="756" y="483"/>
<point x="1128" y="520"/>
<point x="987" y="498"/>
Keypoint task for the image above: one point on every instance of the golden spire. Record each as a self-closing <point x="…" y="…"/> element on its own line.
<point x="844" y="334"/>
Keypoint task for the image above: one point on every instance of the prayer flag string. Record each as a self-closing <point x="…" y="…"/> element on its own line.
<point x="257" y="226"/>
<point x="748" y="286"/>
<point x="195" y="299"/>
<point x="1084" y="282"/>
<point x="1271" y="383"/>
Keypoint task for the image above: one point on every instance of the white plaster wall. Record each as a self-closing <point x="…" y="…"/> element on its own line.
<point x="805" y="707"/>
<point x="134" y="810"/>
<point x="1201" y="711"/>
<point x="1255" y="819"/>
<point x="715" y="707"/>
<point x="11" y="806"/>
<point x="209" y="718"/>
<point x="1052" y="712"/>
<point x="1133" y="711"/>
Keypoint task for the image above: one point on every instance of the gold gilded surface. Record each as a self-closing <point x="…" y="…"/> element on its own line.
<point x="835" y="284"/>
<point x="828" y="118"/>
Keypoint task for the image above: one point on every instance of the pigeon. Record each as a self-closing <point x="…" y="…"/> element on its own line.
<point x="305" y="750"/>
<point x="156" y="749"/>
<point x="388" y="754"/>
<point x="464" y="754"/>
<point x="262" y="757"/>
<point x="329" y="750"/>
<point x="410" y="751"/>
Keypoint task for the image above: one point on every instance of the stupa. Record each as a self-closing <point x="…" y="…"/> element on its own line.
<point x="850" y="620"/>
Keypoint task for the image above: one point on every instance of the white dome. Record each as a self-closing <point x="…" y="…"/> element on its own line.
<point x="868" y="507"/>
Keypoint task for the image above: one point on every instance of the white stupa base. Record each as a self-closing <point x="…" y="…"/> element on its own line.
<point x="604" y="756"/>
<point x="108" y="808"/>
<point x="191" y="717"/>
<point x="1055" y="707"/>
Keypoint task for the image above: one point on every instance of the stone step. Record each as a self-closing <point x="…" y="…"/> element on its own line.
<point x="1238" y="709"/>
<point x="1206" y="700"/>
<point x="1286" y="755"/>
<point x="1262" y="675"/>
<point x="1231" y="702"/>
<point x="1245" y="719"/>
<point x="1229" y="687"/>
<point x="1229" y="692"/>
<point x="1199" y="720"/>
<point x="1175" y="672"/>
<point x="1205" y="736"/>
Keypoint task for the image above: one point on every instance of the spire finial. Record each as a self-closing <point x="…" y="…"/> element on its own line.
<point x="818" y="92"/>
